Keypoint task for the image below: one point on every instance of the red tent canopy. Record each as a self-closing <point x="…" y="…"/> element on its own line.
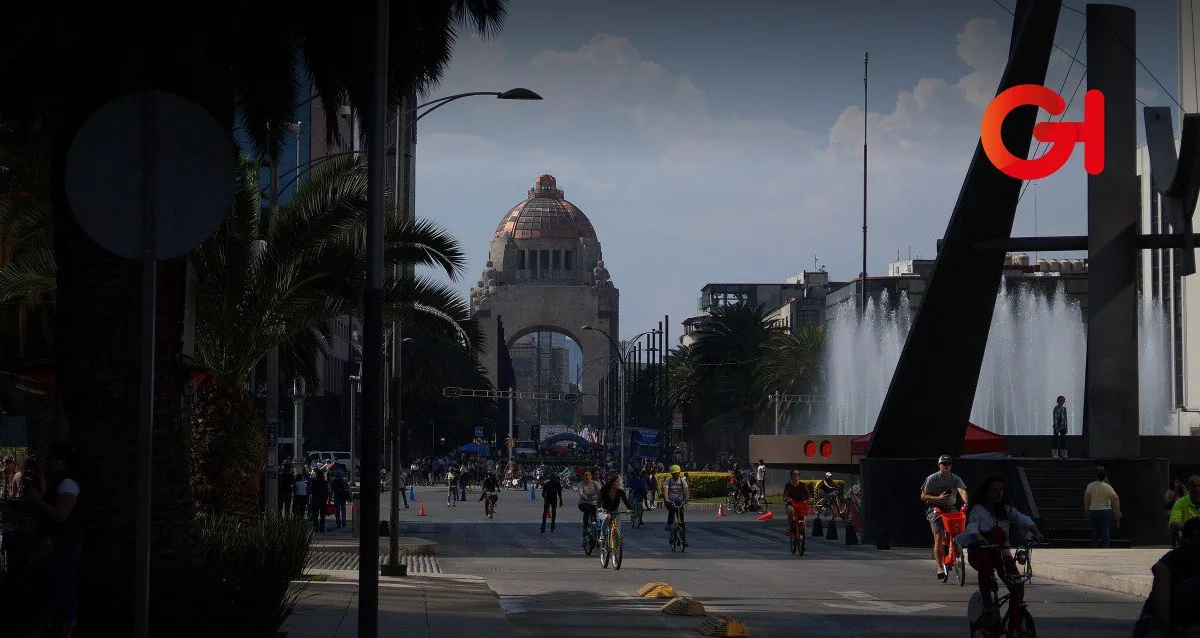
<point x="977" y="441"/>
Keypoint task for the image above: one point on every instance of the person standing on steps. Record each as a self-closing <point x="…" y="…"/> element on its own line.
<point x="1102" y="508"/>
<point x="1058" y="429"/>
<point x="551" y="500"/>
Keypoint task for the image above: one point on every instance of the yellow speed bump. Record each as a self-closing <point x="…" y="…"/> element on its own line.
<point x="645" y="590"/>
<point x="722" y="626"/>
<point x="657" y="590"/>
<point x="683" y="606"/>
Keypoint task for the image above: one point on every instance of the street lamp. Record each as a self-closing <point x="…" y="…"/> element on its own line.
<point x="623" y="352"/>
<point x="298" y="393"/>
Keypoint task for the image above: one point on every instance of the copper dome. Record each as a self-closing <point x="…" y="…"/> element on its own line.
<point x="545" y="215"/>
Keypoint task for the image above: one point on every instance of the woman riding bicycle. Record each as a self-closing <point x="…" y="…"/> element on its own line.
<point x="589" y="490"/>
<point x="991" y="522"/>
<point x="612" y="496"/>
<point x="795" y="492"/>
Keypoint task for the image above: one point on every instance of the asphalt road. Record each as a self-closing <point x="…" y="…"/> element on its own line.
<point x="735" y="566"/>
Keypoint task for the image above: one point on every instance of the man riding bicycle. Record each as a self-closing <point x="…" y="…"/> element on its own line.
<point x="748" y="491"/>
<point x="491" y="489"/>
<point x="795" y="492"/>
<point x="946" y="492"/>
<point x="675" y="495"/>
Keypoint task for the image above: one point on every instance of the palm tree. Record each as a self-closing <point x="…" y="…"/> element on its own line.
<point x="728" y="349"/>
<point x="312" y="269"/>
<point x="795" y="363"/>
<point x="27" y="272"/>
<point x="237" y="60"/>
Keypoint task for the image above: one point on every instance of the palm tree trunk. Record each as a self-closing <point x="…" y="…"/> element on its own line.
<point x="98" y="331"/>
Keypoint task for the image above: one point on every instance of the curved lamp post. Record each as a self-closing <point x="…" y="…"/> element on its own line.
<point x="623" y="353"/>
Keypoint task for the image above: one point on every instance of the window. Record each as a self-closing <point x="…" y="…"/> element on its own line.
<point x="567" y="260"/>
<point x="556" y="262"/>
<point x="520" y="260"/>
<point x="545" y="262"/>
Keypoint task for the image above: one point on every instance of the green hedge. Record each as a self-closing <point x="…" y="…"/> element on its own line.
<point x="716" y="484"/>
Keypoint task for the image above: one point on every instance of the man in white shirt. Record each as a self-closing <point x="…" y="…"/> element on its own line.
<point x="760" y="473"/>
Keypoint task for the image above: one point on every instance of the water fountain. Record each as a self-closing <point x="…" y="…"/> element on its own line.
<point x="1035" y="352"/>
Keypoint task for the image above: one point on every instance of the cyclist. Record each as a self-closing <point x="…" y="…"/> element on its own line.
<point x="675" y="495"/>
<point x="490" y="490"/>
<point x="992" y="520"/>
<point x="795" y="492"/>
<point x="941" y="491"/>
<point x="637" y="492"/>
<point x="589" y="490"/>
<point x="748" y="491"/>
<point x="612" y="496"/>
<point x="1174" y="602"/>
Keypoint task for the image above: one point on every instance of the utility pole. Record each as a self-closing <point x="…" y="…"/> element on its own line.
<point x="775" y="400"/>
<point x="272" y="477"/>
<point x="862" y="284"/>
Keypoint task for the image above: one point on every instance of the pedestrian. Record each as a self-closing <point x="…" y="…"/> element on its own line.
<point x="64" y="537"/>
<point x="300" y="497"/>
<point x="341" y="496"/>
<point x="760" y="475"/>
<point x="1188" y="507"/>
<point x="1059" y="429"/>
<point x="551" y="500"/>
<point x="1102" y="508"/>
<point x="1177" y="491"/>
<point x="318" y="495"/>
<point x="6" y="478"/>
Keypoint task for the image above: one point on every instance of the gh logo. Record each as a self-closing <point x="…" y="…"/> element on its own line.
<point x="1062" y="136"/>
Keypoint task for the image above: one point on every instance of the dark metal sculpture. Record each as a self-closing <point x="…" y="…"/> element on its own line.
<point x="1176" y="177"/>
<point x="930" y="397"/>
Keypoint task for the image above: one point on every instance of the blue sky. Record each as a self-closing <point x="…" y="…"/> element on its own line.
<point x="721" y="141"/>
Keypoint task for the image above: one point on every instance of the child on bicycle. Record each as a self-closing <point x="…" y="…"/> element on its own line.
<point x="991" y="522"/>
<point x="793" y="493"/>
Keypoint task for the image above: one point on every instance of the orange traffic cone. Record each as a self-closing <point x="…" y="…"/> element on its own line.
<point x="422" y="512"/>
<point x="720" y="510"/>
<point x="547" y="512"/>
<point x="768" y="516"/>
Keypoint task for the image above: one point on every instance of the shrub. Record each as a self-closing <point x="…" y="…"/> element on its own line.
<point x="246" y="571"/>
<point x="701" y="484"/>
<point x="18" y="454"/>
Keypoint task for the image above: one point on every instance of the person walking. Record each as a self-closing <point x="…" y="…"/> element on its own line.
<point x="319" y="494"/>
<point x="60" y="605"/>
<point x="551" y="500"/>
<point x="1188" y="507"/>
<point x="300" y="496"/>
<point x="1102" y="508"/>
<point x="1058" y="429"/>
<point x="341" y="496"/>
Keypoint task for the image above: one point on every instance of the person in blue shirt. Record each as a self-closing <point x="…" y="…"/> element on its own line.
<point x="637" y="491"/>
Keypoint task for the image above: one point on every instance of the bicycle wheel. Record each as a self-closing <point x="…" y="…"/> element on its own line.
<point x="1026" y="629"/>
<point x="674" y="537"/>
<point x="588" y="545"/>
<point x="618" y="547"/>
<point x="960" y="566"/>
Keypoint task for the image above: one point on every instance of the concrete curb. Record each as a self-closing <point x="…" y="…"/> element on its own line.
<point x="1080" y="575"/>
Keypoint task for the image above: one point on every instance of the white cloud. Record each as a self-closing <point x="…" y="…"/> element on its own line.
<point x="720" y="198"/>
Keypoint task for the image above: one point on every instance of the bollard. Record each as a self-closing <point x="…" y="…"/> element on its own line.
<point x="831" y="530"/>
<point x="851" y="535"/>
<point x="532" y="493"/>
<point x="818" y="529"/>
<point x="412" y="494"/>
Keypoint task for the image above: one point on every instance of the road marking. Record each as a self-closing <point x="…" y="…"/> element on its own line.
<point x="866" y="602"/>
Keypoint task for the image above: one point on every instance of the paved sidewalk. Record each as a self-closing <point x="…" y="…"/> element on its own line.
<point x="420" y="606"/>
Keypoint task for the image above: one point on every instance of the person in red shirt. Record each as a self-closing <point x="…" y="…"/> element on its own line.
<point x="795" y="491"/>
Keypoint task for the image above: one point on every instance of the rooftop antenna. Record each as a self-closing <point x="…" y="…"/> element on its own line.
<point x="862" y="284"/>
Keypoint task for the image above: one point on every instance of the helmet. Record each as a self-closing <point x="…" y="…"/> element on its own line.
<point x="829" y="475"/>
<point x="675" y="469"/>
<point x="944" y="459"/>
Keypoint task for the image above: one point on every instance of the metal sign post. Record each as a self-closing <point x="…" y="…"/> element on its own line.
<point x="113" y="185"/>
<point x="511" y="395"/>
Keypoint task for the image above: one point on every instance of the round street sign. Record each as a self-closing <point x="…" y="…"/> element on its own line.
<point x="570" y="397"/>
<point x="191" y="164"/>
<point x="452" y="393"/>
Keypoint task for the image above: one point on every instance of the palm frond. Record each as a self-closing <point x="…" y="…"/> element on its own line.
<point x="30" y="277"/>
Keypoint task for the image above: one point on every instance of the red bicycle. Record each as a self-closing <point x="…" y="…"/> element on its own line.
<point x="796" y="535"/>
<point x="952" y="554"/>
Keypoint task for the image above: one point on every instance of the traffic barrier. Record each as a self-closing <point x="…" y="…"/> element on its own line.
<point x="656" y="590"/>
<point x="831" y="531"/>
<point x="412" y="494"/>
<point x="683" y="606"/>
<point x="851" y="535"/>
<point x="422" y="512"/>
<point x="818" y="527"/>
<point x="722" y="626"/>
<point x="645" y="590"/>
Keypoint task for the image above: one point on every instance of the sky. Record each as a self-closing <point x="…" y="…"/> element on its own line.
<point x="714" y="142"/>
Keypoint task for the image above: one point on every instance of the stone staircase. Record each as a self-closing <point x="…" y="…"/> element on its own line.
<point x="1055" y="487"/>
